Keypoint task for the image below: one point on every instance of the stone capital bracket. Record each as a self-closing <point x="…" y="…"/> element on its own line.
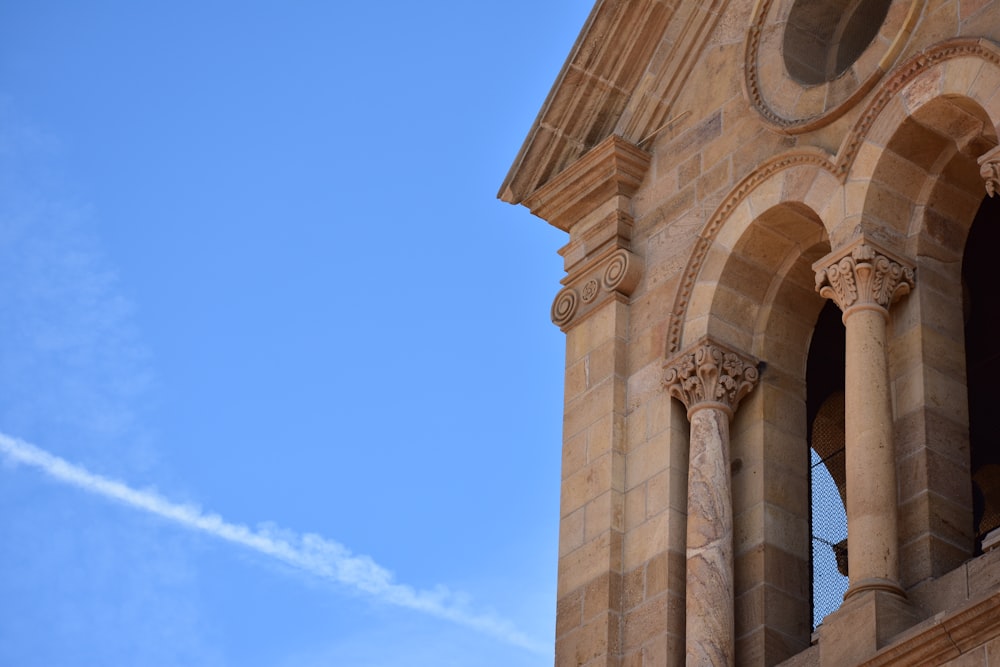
<point x="612" y="275"/>
<point x="989" y="169"/>
<point x="591" y="200"/>
<point x="863" y="275"/>
<point x="708" y="374"/>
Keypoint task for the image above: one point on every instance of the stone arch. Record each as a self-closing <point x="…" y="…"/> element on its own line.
<point x="803" y="180"/>
<point x="951" y="89"/>
<point x="915" y="187"/>
<point x="762" y="299"/>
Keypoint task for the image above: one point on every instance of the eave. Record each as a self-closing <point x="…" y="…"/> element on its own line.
<point x="622" y="77"/>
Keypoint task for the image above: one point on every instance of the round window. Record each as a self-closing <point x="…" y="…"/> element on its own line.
<point x="822" y="39"/>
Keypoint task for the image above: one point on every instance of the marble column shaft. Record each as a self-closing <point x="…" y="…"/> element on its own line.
<point x="864" y="281"/>
<point x="710" y="381"/>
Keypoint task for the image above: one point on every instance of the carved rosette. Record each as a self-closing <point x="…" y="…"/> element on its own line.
<point x="614" y="274"/>
<point x="989" y="169"/>
<point x="863" y="276"/>
<point x="710" y="375"/>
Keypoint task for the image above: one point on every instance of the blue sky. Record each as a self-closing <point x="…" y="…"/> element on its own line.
<point x="277" y="384"/>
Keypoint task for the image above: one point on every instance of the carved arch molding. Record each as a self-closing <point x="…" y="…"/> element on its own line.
<point x="837" y="166"/>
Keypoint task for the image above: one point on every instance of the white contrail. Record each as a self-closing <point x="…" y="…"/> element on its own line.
<point x="309" y="552"/>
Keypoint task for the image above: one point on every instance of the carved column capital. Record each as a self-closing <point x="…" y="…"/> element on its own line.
<point x="863" y="275"/>
<point x="989" y="169"/>
<point x="710" y="375"/>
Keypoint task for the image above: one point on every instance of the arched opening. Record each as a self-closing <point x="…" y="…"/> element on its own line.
<point x="765" y="302"/>
<point x="828" y="485"/>
<point x="923" y="195"/>
<point x="981" y="310"/>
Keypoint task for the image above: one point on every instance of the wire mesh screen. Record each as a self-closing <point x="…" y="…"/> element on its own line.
<point x="827" y="517"/>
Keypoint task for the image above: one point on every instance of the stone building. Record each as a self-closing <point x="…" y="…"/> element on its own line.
<point x="779" y="310"/>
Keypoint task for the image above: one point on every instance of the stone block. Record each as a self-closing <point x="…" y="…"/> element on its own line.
<point x="863" y="624"/>
<point x="569" y="613"/>
<point x="984" y="573"/>
<point x="943" y="594"/>
<point x="649" y="620"/>
<point x="601" y="595"/>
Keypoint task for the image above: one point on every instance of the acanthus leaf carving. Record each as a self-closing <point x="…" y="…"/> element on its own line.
<point x="989" y="169"/>
<point x="708" y="373"/>
<point x="863" y="275"/>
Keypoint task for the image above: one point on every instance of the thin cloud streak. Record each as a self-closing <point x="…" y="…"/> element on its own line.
<point x="309" y="552"/>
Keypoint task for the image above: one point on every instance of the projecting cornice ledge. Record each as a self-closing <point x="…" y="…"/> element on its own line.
<point x="596" y="83"/>
<point x="613" y="168"/>
<point x="945" y="637"/>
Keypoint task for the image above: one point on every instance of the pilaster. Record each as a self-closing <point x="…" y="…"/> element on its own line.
<point x="592" y="201"/>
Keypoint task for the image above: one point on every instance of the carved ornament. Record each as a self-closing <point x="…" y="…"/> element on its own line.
<point x="793" y="108"/>
<point x="840" y="166"/>
<point x="863" y="275"/>
<point x="989" y="169"/>
<point x="902" y="76"/>
<point x="612" y="276"/>
<point x="710" y="375"/>
<point x="807" y="159"/>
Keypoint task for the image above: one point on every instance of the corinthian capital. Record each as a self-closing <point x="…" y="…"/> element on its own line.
<point x="710" y="375"/>
<point x="863" y="275"/>
<point x="989" y="169"/>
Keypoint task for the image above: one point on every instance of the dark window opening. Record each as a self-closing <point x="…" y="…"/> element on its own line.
<point x="982" y="363"/>
<point x="827" y="479"/>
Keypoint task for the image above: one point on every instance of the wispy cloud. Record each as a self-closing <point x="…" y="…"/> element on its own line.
<point x="311" y="553"/>
<point x="73" y="361"/>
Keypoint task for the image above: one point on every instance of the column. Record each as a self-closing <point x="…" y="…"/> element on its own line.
<point x="710" y="381"/>
<point x="864" y="280"/>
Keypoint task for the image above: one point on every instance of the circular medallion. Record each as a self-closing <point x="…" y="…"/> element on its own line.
<point x="809" y="61"/>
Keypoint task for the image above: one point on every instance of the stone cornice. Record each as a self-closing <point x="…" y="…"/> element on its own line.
<point x="600" y="76"/>
<point x="612" y="168"/>
<point x="989" y="169"/>
<point x="710" y="375"/>
<point x="863" y="275"/>
<point x="648" y="108"/>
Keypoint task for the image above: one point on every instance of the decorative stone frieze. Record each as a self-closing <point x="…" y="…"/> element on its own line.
<point x="863" y="275"/>
<point x="711" y="374"/>
<point x="989" y="169"/>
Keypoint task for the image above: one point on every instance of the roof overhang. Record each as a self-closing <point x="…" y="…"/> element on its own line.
<point x="621" y="78"/>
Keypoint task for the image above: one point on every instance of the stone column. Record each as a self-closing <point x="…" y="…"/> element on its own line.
<point x="864" y="280"/>
<point x="710" y="381"/>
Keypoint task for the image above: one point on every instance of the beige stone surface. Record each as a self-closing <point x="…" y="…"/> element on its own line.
<point x="698" y="184"/>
